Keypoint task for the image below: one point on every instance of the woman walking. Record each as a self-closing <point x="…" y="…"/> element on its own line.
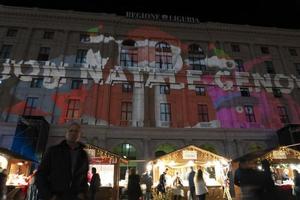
<point x="200" y="185"/>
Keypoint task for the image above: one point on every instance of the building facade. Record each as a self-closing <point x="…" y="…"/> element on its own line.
<point x="142" y="84"/>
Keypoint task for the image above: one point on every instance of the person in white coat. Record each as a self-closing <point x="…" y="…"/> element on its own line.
<point x="200" y="185"/>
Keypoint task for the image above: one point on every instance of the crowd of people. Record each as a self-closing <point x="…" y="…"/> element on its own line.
<point x="197" y="185"/>
<point x="259" y="184"/>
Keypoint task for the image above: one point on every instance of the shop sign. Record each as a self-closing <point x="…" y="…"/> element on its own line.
<point x="103" y="160"/>
<point x="189" y="155"/>
<point x="279" y="155"/>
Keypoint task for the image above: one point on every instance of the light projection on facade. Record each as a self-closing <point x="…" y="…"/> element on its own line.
<point x="150" y="83"/>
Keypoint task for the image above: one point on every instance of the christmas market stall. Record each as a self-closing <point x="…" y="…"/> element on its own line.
<point x="283" y="160"/>
<point x="18" y="169"/>
<point x="179" y="163"/>
<point x="107" y="165"/>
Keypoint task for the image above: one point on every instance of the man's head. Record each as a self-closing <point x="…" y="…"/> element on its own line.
<point x="166" y="171"/>
<point x="73" y="133"/>
<point x="192" y="168"/>
<point x="4" y="171"/>
<point x="94" y="170"/>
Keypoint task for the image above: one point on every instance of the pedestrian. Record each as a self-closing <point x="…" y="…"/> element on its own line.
<point x="148" y="181"/>
<point x="161" y="187"/>
<point x="269" y="189"/>
<point x="200" y="185"/>
<point x="3" y="179"/>
<point x="32" y="190"/>
<point x="296" y="190"/>
<point x="94" y="184"/>
<point x="192" y="184"/>
<point x="62" y="174"/>
<point x="251" y="181"/>
<point x="134" y="188"/>
<point x="177" y="188"/>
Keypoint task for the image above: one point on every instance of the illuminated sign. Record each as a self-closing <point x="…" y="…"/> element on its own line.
<point x="162" y="17"/>
<point x="189" y="155"/>
<point x="279" y="154"/>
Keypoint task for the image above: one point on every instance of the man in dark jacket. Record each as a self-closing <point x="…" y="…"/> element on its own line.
<point x="94" y="184"/>
<point x="62" y="174"/>
<point x="192" y="184"/>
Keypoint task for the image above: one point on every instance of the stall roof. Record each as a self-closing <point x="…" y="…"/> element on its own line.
<point x="102" y="151"/>
<point x="206" y="154"/>
<point x="14" y="155"/>
<point x="276" y="154"/>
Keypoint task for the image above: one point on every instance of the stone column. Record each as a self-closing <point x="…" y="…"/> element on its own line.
<point x="138" y="105"/>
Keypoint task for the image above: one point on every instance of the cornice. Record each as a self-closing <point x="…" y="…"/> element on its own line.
<point x="122" y="20"/>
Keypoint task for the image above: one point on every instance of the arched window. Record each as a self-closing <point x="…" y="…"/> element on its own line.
<point x="163" y="56"/>
<point x="164" y="149"/>
<point x="129" y="56"/>
<point x="196" y="58"/>
<point x="126" y="150"/>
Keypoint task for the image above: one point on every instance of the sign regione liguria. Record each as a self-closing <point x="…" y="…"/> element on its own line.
<point x="162" y="17"/>
<point x="189" y="155"/>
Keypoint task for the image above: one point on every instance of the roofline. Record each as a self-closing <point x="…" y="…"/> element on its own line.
<point x="191" y="145"/>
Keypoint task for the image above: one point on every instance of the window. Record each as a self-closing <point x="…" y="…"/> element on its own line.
<point x="277" y="92"/>
<point x="245" y="92"/>
<point x="30" y="106"/>
<point x="297" y="66"/>
<point x="126" y="111"/>
<point x="44" y="54"/>
<point x="76" y="84"/>
<point x="84" y="37"/>
<point x="81" y="56"/>
<point x="73" y="109"/>
<point x="249" y="112"/>
<point x="127" y="87"/>
<point x="239" y="65"/>
<point x="293" y="52"/>
<point x="264" y="50"/>
<point x="203" y="113"/>
<point x="269" y="67"/>
<point x="163" y="56"/>
<point x="283" y="115"/>
<point x="200" y="91"/>
<point x="196" y="58"/>
<point x="164" y="89"/>
<point x="128" y="56"/>
<point x="165" y="112"/>
<point x="235" y="48"/>
<point x="48" y="35"/>
<point x="5" y="51"/>
<point x="36" y="83"/>
<point x="11" y="32"/>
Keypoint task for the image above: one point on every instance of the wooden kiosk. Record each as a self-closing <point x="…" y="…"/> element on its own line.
<point x="18" y="167"/>
<point x="108" y="167"/>
<point x="214" y="167"/>
<point x="283" y="160"/>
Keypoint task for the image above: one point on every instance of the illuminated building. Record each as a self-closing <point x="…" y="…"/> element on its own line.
<point x="147" y="84"/>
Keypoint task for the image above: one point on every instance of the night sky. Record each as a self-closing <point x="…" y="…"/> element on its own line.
<point x="272" y="13"/>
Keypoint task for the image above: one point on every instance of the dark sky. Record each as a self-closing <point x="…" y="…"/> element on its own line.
<point x="276" y="13"/>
